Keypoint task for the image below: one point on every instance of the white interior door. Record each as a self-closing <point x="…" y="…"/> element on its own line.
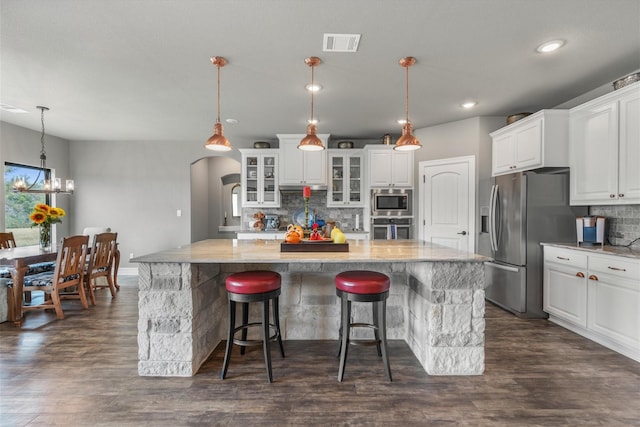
<point x="447" y="202"/>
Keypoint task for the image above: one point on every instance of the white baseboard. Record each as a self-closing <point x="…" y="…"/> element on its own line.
<point x="128" y="271"/>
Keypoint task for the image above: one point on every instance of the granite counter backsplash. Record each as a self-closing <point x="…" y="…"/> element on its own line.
<point x="622" y="220"/>
<point x="291" y="202"/>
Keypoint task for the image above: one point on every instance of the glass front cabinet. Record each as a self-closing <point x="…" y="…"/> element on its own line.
<point x="260" y="178"/>
<point x="345" y="178"/>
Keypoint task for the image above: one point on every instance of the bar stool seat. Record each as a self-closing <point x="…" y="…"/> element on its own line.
<point x="363" y="286"/>
<point x="247" y="287"/>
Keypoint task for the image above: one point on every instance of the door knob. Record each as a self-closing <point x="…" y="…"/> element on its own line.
<point x="464" y="233"/>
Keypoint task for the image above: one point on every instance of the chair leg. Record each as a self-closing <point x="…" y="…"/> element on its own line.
<point x="245" y="321"/>
<point x="382" y="322"/>
<point x="112" y="287"/>
<point x="376" y="328"/>
<point x="83" y="296"/>
<point x="55" y="298"/>
<point x="90" y="291"/>
<point x="116" y="265"/>
<point x="276" y="321"/>
<point x="346" y="316"/>
<point x="265" y="339"/>
<point x="231" y="327"/>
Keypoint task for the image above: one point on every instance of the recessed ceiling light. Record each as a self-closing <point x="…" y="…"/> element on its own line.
<point x="401" y="121"/>
<point x="232" y="121"/>
<point x="11" y="109"/>
<point x="312" y="121"/>
<point x="469" y="104"/>
<point x="549" y="47"/>
<point x="313" y="88"/>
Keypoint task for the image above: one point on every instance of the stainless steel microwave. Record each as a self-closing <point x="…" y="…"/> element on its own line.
<point x="391" y="202"/>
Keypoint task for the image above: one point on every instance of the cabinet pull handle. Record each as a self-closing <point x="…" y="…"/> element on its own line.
<point x="593" y="277"/>
<point x="621" y="195"/>
<point x="562" y="258"/>
<point x="580" y="274"/>
<point x="612" y="196"/>
<point x="616" y="268"/>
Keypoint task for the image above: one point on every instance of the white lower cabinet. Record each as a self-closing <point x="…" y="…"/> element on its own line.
<point x="565" y="285"/>
<point x="594" y="295"/>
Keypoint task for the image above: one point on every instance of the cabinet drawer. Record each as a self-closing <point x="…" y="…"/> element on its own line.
<point x="565" y="257"/>
<point x="616" y="266"/>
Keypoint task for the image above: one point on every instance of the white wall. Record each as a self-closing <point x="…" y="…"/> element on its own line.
<point x="136" y="188"/>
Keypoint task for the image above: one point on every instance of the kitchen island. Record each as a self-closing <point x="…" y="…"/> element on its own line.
<point x="436" y="301"/>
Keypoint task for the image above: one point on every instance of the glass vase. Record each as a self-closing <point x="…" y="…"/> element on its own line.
<point x="45" y="237"/>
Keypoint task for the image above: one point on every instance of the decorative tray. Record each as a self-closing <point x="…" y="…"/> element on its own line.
<point x="314" y="246"/>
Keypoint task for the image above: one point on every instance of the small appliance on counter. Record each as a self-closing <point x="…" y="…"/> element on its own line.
<point x="590" y="230"/>
<point x="271" y="222"/>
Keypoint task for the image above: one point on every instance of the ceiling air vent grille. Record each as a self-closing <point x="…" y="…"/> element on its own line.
<point x="340" y="42"/>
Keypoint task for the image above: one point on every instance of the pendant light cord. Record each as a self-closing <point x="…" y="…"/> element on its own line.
<point x="406" y="105"/>
<point x="43" y="153"/>
<point x="218" y="118"/>
<point x="312" y="90"/>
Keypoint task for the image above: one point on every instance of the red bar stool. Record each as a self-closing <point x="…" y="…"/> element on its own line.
<point x="247" y="287"/>
<point x="363" y="286"/>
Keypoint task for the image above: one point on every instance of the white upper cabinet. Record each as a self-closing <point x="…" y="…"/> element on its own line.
<point x="260" y="178"/>
<point x="345" y="178"/>
<point x="302" y="167"/>
<point x="389" y="168"/>
<point x="539" y="140"/>
<point x="604" y="150"/>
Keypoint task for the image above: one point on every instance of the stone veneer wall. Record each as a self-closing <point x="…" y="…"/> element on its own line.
<point x="622" y="219"/>
<point x="446" y="317"/>
<point x="438" y="308"/>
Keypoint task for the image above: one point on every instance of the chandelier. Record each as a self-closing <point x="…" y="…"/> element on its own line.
<point x="20" y="184"/>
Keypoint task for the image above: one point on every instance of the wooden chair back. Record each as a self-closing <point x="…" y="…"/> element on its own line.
<point x="67" y="281"/>
<point x="101" y="261"/>
<point x="7" y="241"/>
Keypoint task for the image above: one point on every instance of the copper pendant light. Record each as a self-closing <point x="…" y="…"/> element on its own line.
<point x="311" y="142"/>
<point x="217" y="141"/>
<point x="407" y="141"/>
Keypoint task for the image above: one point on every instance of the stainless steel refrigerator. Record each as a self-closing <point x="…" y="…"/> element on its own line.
<point x="525" y="209"/>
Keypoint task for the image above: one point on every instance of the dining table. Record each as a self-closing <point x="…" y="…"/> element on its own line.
<point x="17" y="261"/>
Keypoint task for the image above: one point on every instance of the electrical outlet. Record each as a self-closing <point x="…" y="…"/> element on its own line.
<point x="131" y="255"/>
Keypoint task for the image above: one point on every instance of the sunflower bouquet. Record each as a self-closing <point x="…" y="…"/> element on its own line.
<point x="44" y="216"/>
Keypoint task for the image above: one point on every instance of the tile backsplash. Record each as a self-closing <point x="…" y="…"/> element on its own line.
<point x="622" y="220"/>
<point x="292" y="202"/>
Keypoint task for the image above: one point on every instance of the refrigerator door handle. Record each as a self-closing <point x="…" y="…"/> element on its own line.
<point x="501" y="267"/>
<point x="492" y="217"/>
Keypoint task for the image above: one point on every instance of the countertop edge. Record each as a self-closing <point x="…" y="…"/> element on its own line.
<point x="621" y="251"/>
<point x="233" y="251"/>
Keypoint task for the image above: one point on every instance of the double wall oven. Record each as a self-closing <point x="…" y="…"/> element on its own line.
<point x="391" y="213"/>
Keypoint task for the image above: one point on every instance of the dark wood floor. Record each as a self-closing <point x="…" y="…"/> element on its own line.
<point x="83" y="371"/>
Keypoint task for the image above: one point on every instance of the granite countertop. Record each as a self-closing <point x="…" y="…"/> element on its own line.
<point x="630" y="252"/>
<point x="268" y="251"/>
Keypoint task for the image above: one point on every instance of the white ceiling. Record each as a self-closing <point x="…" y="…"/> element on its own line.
<point x="140" y="70"/>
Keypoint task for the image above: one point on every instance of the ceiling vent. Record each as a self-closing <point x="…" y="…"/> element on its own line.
<point x="340" y="42"/>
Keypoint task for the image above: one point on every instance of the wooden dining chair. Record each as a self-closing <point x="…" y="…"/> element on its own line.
<point x="101" y="261"/>
<point x="66" y="281"/>
<point x="7" y="241"/>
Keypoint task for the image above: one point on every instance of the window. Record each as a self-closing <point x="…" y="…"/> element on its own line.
<point x="18" y="206"/>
